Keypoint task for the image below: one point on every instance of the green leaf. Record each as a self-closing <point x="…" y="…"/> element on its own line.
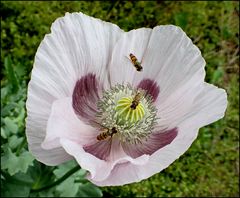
<point x="9" y="161"/>
<point x="3" y="133"/>
<point x="5" y="110"/>
<point x="41" y="174"/>
<point x="11" y="74"/>
<point x="17" y="186"/>
<point x="63" y="168"/>
<point x="14" y="141"/>
<point x="21" y="115"/>
<point x="217" y="75"/>
<point x="89" y="190"/>
<point x="25" y="160"/>
<point x="4" y="92"/>
<point x="68" y="188"/>
<point x="10" y="125"/>
<point x="15" y="164"/>
<point x="20" y="70"/>
<point x="15" y="190"/>
<point x="47" y="193"/>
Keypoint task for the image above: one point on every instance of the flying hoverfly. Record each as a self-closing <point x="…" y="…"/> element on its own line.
<point x="135" y="62"/>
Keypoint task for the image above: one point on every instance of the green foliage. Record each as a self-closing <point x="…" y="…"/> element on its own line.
<point x="10" y="125"/>
<point x="17" y="185"/>
<point x="89" y="190"/>
<point x="11" y="75"/>
<point x="209" y="168"/>
<point x="14" y="163"/>
<point x="74" y="185"/>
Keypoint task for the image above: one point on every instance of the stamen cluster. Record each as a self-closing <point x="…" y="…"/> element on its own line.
<point x="133" y="125"/>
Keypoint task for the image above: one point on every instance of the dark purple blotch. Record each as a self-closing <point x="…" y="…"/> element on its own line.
<point x="154" y="142"/>
<point x="85" y="97"/>
<point x="150" y="87"/>
<point x="100" y="149"/>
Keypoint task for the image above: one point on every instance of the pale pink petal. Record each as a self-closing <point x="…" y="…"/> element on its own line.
<point x="178" y="67"/>
<point x="77" y="45"/>
<point x="36" y="124"/>
<point x="63" y="123"/>
<point x="124" y="173"/>
<point x="171" y="111"/>
<point x="209" y="106"/>
<point x="121" y="67"/>
<point x="117" y="152"/>
<point x="173" y="60"/>
<point x="167" y="55"/>
<point x="98" y="169"/>
<point x="128" y="173"/>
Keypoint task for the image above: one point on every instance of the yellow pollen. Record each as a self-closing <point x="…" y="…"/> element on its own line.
<point x="125" y="111"/>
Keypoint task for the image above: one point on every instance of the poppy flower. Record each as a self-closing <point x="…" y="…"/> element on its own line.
<point x="125" y="105"/>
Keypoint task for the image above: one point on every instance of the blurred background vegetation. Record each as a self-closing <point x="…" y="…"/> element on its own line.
<point x="209" y="168"/>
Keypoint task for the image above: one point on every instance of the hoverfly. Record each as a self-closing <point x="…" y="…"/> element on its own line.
<point x="106" y="132"/>
<point x="136" y="100"/>
<point x="135" y="62"/>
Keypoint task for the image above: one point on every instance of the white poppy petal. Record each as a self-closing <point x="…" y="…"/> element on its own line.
<point x="98" y="169"/>
<point x="77" y="45"/>
<point x="178" y="68"/>
<point x="86" y="160"/>
<point x="209" y="106"/>
<point x="121" y="67"/>
<point x="63" y="123"/>
<point x="177" y="105"/>
<point x="165" y="52"/>
<point x="190" y="105"/>
<point x="172" y="59"/>
<point x="124" y="173"/>
<point x="36" y="122"/>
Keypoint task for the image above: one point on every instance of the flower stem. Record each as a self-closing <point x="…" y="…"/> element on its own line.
<point x="60" y="180"/>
